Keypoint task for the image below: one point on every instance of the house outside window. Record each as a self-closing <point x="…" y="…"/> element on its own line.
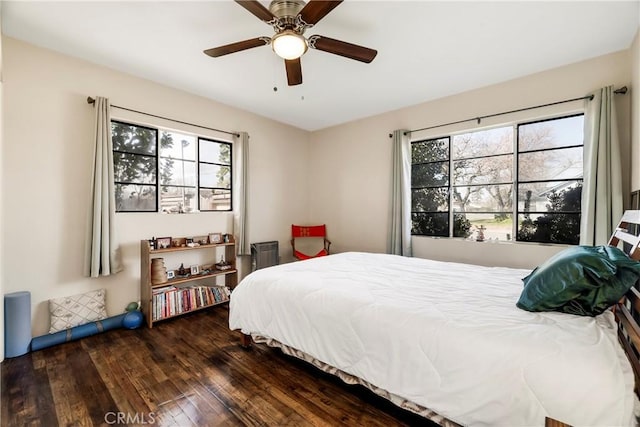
<point x="479" y="181"/>
<point x="168" y="171"/>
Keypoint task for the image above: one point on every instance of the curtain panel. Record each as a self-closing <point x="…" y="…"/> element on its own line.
<point x="399" y="238"/>
<point x="602" y="199"/>
<point x="102" y="252"/>
<point x="241" y="198"/>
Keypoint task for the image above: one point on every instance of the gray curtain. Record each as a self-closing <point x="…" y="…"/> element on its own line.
<point x="602" y="204"/>
<point x="240" y="184"/>
<point x="102" y="253"/>
<point x="399" y="242"/>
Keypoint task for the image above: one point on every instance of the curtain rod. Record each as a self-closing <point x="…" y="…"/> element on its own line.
<point x="622" y="91"/>
<point x="90" y="100"/>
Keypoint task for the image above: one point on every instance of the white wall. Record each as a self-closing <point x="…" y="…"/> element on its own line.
<point x="635" y="112"/>
<point x="350" y="172"/>
<point x="1" y="202"/>
<point x="46" y="166"/>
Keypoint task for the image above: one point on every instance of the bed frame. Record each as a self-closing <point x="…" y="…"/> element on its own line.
<point x="626" y="311"/>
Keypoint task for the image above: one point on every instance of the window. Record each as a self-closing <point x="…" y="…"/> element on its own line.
<point x="177" y="167"/>
<point x="550" y="180"/>
<point x="134" y="167"/>
<point x="167" y="169"/>
<point x="468" y="182"/>
<point x="215" y="175"/>
<point x="430" y="187"/>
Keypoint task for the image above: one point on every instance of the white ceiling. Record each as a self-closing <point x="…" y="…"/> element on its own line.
<point x="426" y="49"/>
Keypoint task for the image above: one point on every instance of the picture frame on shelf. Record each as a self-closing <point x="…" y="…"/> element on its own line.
<point x="195" y="269"/>
<point x="215" y="238"/>
<point x="163" y="242"/>
<point x="171" y="274"/>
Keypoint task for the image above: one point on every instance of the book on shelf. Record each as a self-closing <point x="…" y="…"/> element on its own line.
<point x="170" y="300"/>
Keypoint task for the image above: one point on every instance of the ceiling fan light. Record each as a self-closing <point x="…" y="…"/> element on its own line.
<point x="289" y="44"/>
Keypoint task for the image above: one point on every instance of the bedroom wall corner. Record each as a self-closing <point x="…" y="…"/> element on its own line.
<point x="635" y="112"/>
<point x="46" y="156"/>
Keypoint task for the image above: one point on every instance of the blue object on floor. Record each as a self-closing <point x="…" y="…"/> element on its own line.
<point x="17" y="323"/>
<point x="130" y="318"/>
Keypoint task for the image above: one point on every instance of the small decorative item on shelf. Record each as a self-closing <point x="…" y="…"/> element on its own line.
<point x="215" y="238"/>
<point x="163" y="242"/>
<point x="182" y="271"/>
<point x="226" y="238"/>
<point x="223" y="265"/>
<point x="195" y="270"/>
<point x="158" y="271"/>
<point x="171" y="274"/>
<point x="152" y="243"/>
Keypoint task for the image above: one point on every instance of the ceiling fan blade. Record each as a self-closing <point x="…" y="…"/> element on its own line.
<point x="337" y="47"/>
<point x="237" y="47"/>
<point x="257" y="9"/>
<point x="315" y="10"/>
<point x="294" y="71"/>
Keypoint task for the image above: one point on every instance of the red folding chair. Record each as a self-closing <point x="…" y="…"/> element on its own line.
<point x="310" y="233"/>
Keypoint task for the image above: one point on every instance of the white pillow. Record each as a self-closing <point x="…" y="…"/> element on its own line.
<point x="76" y="310"/>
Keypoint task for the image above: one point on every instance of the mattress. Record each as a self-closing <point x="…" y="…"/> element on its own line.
<point x="446" y="336"/>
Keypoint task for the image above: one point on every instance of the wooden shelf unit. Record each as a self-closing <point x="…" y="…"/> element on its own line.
<point x="147" y="288"/>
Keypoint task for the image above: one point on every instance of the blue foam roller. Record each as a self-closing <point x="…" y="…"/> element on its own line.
<point x="17" y="323"/>
<point x="48" y="340"/>
<point x="77" y="332"/>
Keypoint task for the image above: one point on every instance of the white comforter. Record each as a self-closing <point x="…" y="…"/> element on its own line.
<point x="446" y="336"/>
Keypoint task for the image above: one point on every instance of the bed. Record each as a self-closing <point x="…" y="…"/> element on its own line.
<point x="444" y="340"/>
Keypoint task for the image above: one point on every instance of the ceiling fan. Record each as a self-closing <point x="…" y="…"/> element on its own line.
<point x="290" y="19"/>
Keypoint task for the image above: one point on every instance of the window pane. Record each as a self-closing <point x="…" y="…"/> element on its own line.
<point x="563" y="196"/>
<point x="178" y="199"/>
<point x="215" y="152"/>
<point x="215" y="200"/>
<point x="430" y="224"/>
<point x="486" y="198"/>
<point x="177" y="172"/>
<point x="486" y="170"/>
<point x="496" y="226"/>
<point x="483" y="143"/>
<point x="133" y="139"/>
<point x="177" y="145"/>
<point x="551" y="133"/>
<point x="563" y="163"/>
<point x="549" y="228"/>
<point x="430" y="174"/>
<point x="135" y="198"/>
<point x="133" y="168"/>
<point x="430" y="200"/>
<point x="430" y="150"/>
<point x="215" y="176"/>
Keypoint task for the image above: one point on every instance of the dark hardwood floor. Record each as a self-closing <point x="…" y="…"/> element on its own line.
<point x="189" y="371"/>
